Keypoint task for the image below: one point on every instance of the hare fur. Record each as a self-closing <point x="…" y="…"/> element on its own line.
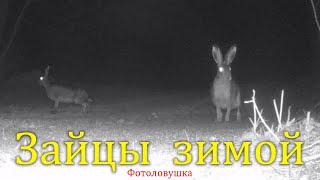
<point x="64" y="94"/>
<point x="225" y="92"/>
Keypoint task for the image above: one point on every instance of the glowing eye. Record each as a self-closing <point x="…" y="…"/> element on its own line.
<point x="221" y="69"/>
<point x="230" y="68"/>
<point x="41" y="78"/>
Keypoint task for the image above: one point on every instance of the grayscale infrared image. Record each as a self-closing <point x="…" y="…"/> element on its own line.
<point x="160" y="89"/>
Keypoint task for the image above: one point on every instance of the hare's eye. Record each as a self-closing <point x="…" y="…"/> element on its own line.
<point x="41" y="78"/>
<point x="221" y="69"/>
<point x="229" y="68"/>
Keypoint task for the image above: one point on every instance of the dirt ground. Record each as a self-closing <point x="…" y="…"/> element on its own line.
<point x="131" y="114"/>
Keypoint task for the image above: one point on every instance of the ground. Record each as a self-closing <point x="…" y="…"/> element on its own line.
<point x="121" y="113"/>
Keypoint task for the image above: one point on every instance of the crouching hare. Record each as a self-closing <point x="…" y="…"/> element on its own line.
<point x="64" y="94"/>
<point x="225" y="92"/>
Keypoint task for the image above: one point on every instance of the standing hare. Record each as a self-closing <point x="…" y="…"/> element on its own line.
<point x="64" y="94"/>
<point x="225" y="93"/>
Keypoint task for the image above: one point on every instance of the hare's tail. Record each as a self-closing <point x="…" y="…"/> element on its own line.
<point x="90" y="100"/>
<point x="198" y="104"/>
<point x="201" y="102"/>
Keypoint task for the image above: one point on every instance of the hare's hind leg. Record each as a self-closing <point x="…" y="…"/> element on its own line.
<point x="219" y="114"/>
<point x="227" y="118"/>
<point x="55" y="107"/>
<point x="84" y="107"/>
<point x="238" y="114"/>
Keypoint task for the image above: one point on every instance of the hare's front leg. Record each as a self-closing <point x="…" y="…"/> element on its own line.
<point x="227" y="118"/>
<point x="219" y="114"/>
<point x="238" y="114"/>
<point x="56" y="105"/>
<point x="84" y="107"/>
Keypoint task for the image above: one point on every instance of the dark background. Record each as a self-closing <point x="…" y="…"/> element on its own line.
<point x="165" y="43"/>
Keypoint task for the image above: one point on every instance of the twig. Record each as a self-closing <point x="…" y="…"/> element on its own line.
<point x="185" y="131"/>
<point x="312" y="158"/>
<point x="260" y="116"/>
<point x="315" y="14"/>
<point x="279" y="112"/>
<point x="307" y="126"/>
<point x="289" y="114"/>
<point x="311" y="145"/>
<point x="15" y="29"/>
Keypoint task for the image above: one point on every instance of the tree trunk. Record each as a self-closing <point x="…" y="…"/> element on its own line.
<point x="6" y="45"/>
<point x="3" y="23"/>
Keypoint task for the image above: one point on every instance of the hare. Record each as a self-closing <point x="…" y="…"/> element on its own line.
<point x="225" y="92"/>
<point x="64" y="94"/>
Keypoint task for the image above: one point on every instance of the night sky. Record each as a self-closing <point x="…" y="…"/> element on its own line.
<point x="165" y="42"/>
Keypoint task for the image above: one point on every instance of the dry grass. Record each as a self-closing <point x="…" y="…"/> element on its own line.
<point x="138" y="114"/>
<point x="309" y="131"/>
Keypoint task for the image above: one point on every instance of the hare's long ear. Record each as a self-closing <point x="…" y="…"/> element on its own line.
<point x="46" y="73"/>
<point x="216" y="53"/>
<point x="231" y="54"/>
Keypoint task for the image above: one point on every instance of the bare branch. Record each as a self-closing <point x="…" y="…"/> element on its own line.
<point x="315" y="14"/>
<point x="259" y="113"/>
<point x="279" y="111"/>
<point x="15" y="29"/>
